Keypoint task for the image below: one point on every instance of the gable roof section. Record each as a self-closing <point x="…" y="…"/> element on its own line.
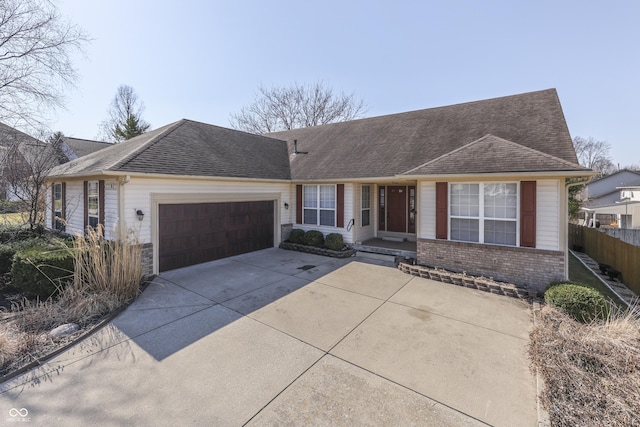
<point x="189" y="148"/>
<point x="386" y="146"/>
<point x="78" y="147"/>
<point x="491" y="154"/>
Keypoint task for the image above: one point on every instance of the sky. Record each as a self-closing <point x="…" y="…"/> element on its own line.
<point x="204" y="60"/>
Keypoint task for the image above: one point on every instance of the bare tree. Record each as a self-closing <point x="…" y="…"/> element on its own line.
<point x="27" y="161"/>
<point x="125" y="116"/>
<point x="36" y="45"/>
<point x="297" y="106"/>
<point x="594" y="154"/>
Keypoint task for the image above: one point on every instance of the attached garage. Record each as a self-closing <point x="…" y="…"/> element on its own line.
<point x="193" y="233"/>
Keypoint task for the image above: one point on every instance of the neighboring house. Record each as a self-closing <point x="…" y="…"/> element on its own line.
<point x="479" y="186"/>
<point x="71" y="148"/>
<point x="21" y="156"/>
<point x="615" y="199"/>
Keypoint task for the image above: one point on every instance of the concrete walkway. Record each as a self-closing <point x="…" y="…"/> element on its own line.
<point x="284" y="338"/>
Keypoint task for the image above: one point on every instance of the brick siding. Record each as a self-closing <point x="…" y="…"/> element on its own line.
<point x="534" y="268"/>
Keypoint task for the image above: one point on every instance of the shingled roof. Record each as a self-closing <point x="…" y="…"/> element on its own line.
<point x="188" y="148"/>
<point x="491" y="154"/>
<point x="519" y="133"/>
<point x="78" y="147"/>
<point x="391" y="145"/>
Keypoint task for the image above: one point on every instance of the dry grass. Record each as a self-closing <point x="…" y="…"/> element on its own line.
<point x="591" y="371"/>
<point x="12" y="219"/>
<point x="106" y="275"/>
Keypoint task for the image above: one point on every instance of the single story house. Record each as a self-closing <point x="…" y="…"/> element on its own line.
<point x="479" y="186"/>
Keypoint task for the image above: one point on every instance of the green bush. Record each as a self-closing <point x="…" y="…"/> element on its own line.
<point x="9" y="249"/>
<point x="15" y="234"/>
<point x="334" y="241"/>
<point x="296" y="236"/>
<point x="580" y="302"/>
<point x="313" y="238"/>
<point x="42" y="269"/>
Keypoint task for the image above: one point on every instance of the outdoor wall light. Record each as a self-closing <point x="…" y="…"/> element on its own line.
<point x="286" y="205"/>
<point x="140" y="215"/>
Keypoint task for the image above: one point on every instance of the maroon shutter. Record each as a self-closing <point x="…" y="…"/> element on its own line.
<point x="64" y="201"/>
<point x="528" y="214"/>
<point x="101" y="203"/>
<point x="53" y="206"/>
<point x="298" y="204"/>
<point x="340" y="206"/>
<point x="442" y="211"/>
<point x="86" y="204"/>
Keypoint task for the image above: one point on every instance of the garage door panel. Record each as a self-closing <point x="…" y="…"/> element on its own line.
<point x="200" y="232"/>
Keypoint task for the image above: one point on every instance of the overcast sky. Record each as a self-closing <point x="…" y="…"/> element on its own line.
<point x="204" y="60"/>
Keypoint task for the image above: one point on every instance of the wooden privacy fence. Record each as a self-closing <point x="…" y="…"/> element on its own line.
<point x="608" y="250"/>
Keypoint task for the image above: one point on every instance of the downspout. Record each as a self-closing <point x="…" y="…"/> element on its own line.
<point x="122" y="223"/>
<point x="566" y="220"/>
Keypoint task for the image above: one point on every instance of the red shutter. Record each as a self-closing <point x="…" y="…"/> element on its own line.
<point x="442" y="211"/>
<point x="53" y="206"/>
<point x="340" y="206"/>
<point x="101" y="202"/>
<point x="298" y="204"/>
<point x="86" y="204"/>
<point x="528" y="214"/>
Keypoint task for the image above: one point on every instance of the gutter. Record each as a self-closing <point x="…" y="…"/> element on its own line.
<point x="568" y="185"/>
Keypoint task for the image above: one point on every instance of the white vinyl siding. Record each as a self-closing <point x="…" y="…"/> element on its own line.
<point x="111" y="209"/>
<point x="548" y="221"/>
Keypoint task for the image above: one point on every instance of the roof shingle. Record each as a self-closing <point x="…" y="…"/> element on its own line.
<point x="390" y="145"/>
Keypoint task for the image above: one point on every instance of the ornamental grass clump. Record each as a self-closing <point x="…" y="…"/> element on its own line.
<point x="110" y="269"/>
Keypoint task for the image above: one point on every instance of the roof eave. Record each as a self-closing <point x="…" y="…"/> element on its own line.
<point x="115" y="174"/>
<point x="566" y="174"/>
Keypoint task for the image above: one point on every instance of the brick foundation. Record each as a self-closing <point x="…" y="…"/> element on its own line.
<point x="533" y="268"/>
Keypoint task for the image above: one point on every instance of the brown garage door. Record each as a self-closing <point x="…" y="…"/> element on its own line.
<point x="198" y="232"/>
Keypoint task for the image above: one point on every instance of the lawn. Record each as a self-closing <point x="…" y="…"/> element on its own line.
<point x="12" y="218"/>
<point x="578" y="273"/>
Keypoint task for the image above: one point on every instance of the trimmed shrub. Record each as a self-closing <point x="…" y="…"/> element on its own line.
<point x="580" y="302"/>
<point x="313" y="238"/>
<point x="42" y="269"/>
<point x="15" y="234"/>
<point x="334" y="241"/>
<point x="296" y="236"/>
<point x="8" y="250"/>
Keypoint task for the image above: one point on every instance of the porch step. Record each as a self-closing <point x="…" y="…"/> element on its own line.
<point x="360" y="248"/>
<point x="379" y="257"/>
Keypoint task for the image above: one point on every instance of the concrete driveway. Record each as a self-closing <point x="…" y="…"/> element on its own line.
<point x="284" y="338"/>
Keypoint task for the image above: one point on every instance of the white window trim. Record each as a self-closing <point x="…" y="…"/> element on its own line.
<point x="362" y="208"/>
<point x="97" y="215"/>
<point x="481" y="218"/>
<point x="318" y="208"/>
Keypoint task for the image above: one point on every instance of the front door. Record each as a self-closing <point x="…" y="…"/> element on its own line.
<point x="397" y="209"/>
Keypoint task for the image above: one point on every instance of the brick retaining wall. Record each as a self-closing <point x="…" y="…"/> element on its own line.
<point x="534" y="268"/>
